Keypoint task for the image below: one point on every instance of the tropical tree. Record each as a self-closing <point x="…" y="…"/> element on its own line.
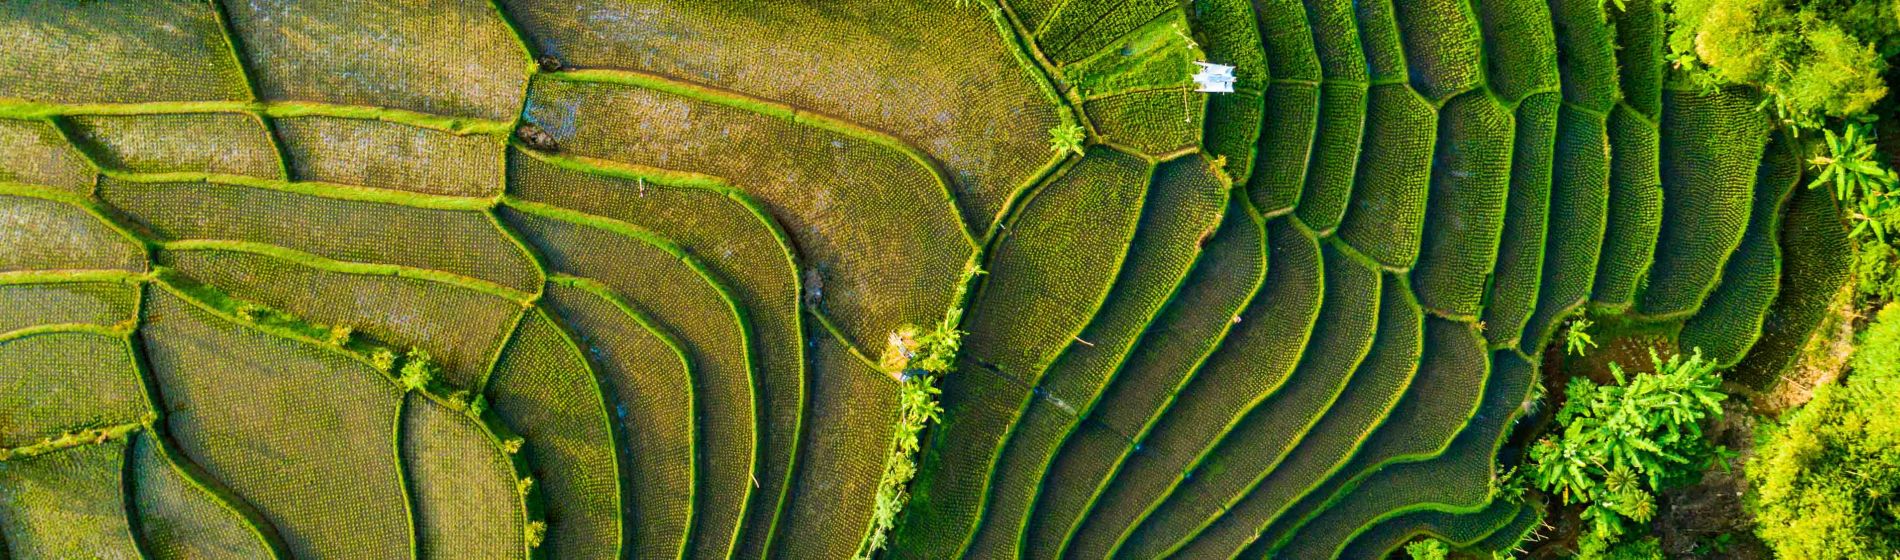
<point x="1066" y="138"/>
<point x="1621" y="443"/>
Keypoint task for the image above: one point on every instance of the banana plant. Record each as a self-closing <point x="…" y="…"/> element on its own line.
<point x="1851" y="163"/>
<point x="1625" y="441"/>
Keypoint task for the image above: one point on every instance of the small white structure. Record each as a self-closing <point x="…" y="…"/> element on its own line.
<point x="1214" y="78"/>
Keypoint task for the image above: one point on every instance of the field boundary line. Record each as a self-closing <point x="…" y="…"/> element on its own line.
<point x="740" y="316"/>
<point x="537" y="494"/>
<point x="778" y="109"/>
<point x="1085" y="413"/>
<point x="51" y="445"/>
<point x="607" y="294"/>
<point x="624" y="229"/>
<point x="464" y="126"/>
<point x="1086" y="29"/>
<point x="824" y="321"/>
<point x="235" y="47"/>
<point x="532" y="63"/>
<point x="1022" y="47"/>
<point x="193" y="474"/>
<point x="72" y="276"/>
<point x="109" y="331"/>
<point x="1490" y="465"/>
<point x="1200" y="459"/>
<point x="1160" y="412"/>
<point x="287" y="328"/>
<point x="410" y="516"/>
<point x="1358" y="442"/>
<point x="86" y="204"/>
<point x="787" y="248"/>
<point x="320" y="189"/>
<point x="1432" y="532"/>
<point x="674" y="179"/>
<point x="522" y="247"/>
<point x="352" y="267"/>
<point x="1352" y="484"/>
<point x="1088" y="412"/>
<point x="1159" y="417"/>
<point x="1178" y="88"/>
<point x="1035" y="390"/>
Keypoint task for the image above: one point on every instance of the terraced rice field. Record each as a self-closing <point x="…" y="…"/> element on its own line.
<point x="635" y="278"/>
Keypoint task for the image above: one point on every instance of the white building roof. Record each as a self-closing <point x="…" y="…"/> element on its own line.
<point x="1214" y="78"/>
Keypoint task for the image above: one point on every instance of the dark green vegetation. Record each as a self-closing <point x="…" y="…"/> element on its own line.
<point x="937" y="279"/>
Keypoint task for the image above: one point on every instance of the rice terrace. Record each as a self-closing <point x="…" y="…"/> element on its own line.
<point x="930" y="279"/>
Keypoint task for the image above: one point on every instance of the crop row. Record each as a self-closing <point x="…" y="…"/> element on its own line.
<point x="1184" y="202"/>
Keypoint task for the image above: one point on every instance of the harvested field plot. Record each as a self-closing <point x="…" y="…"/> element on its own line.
<point x="864" y="278"/>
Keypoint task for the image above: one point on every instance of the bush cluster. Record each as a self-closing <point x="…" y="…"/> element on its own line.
<point x="1827" y="479"/>
<point x="1815" y="58"/>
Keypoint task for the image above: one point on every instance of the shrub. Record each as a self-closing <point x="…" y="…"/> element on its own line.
<point x="537" y="531"/>
<point x="917" y="409"/>
<point x="1866" y="187"/>
<point x="340" y="336"/>
<point x="383" y="359"/>
<point x="1622" y="443"/>
<point x="1877" y="267"/>
<point x="418" y="370"/>
<point x="477" y="405"/>
<point x="250" y="312"/>
<point x="1879" y="351"/>
<point x="1827" y="480"/>
<point x="1428" y="549"/>
<point x="1592" y="547"/>
<point x="1066" y="138"/>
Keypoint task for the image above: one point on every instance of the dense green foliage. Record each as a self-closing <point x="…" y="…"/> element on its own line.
<point x="1428" y="549"/>
<point x="1827" y="478"/>
<point x="918" y="410"/>
<point x="1817" y="58"/>
<point x="1877" y="266"/>
<point x="1622" y="443"/>
<point x="1594" y="547"/>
